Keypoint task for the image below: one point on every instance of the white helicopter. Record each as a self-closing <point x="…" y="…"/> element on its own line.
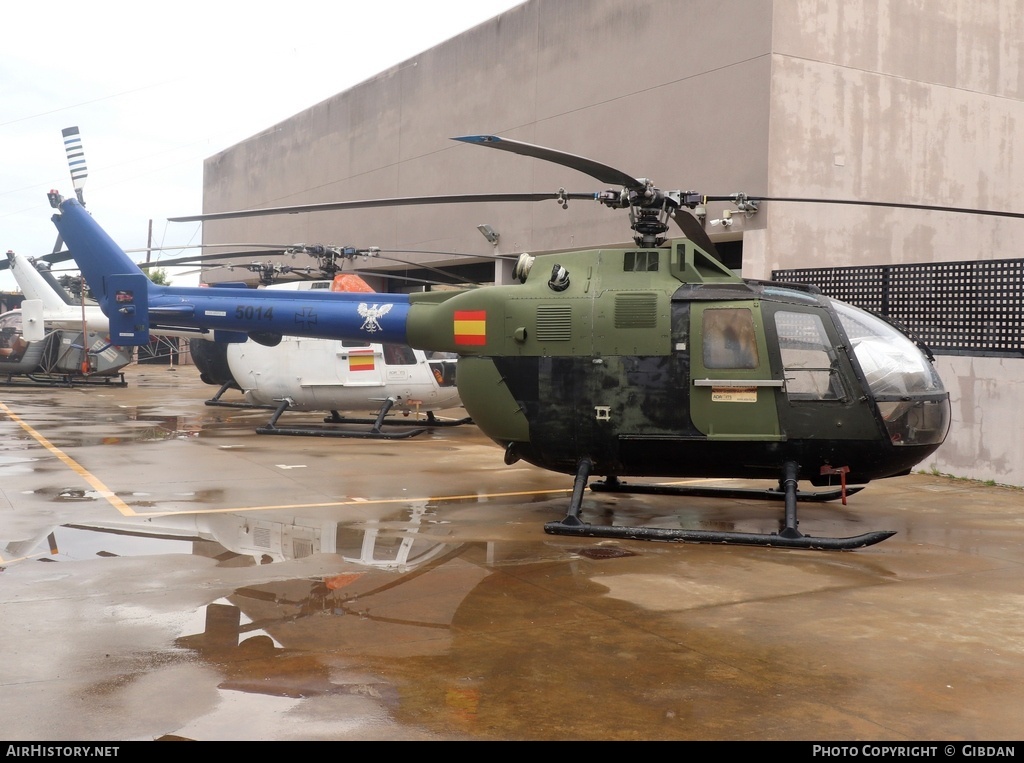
<point x="18" y="355"/>
<point x="61" y="355"/>
<point x="51" y="340"/>
<point x="302" y="374"/>
<point x="72" y="344"/>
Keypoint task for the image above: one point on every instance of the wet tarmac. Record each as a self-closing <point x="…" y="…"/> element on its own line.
<point x="169" y="573"/>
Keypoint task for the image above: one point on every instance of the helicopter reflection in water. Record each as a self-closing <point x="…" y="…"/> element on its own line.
<point x="367" y="579"/>
<point x="138" y="426"/>
<point x="391" y="541"/>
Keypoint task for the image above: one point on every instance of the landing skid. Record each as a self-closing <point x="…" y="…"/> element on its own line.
<point x="330" y="428"/>
<point x="614" y="485"/>
<point x="64" y="380"/>
<point x="787" y="537"/>
<point x="216" y="399"/>
<point x="431" y="422"/>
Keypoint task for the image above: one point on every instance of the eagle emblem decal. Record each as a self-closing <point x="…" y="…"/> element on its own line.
<point x="372" y="315"/>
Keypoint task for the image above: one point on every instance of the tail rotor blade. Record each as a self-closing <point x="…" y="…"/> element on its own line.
<point x="76" y="160"/>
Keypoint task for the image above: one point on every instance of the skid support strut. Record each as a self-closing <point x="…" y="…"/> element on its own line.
<point x="375" y="432"/>
<point x="787" y="537"/>
<point x="789" y="483"/>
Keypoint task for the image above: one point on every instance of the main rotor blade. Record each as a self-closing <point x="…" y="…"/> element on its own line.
<point x="889" y="204"/>
<point x="201" y="258"/>
<point x="401" y="201"/>
<point x="422" y="266"/>
<point x="212" y="260"/>
<point x="596" y="170"/>
<point x="55" y="257"/>
<point x="392" y="275"/>
<point x="690" y="226"/>
<point x="375" y="254"/>
<point x="64" y="256"/>
<point x="201" y="246"/>
<point x="474" y="255"/>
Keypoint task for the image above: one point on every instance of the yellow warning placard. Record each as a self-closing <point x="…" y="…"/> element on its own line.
<point x="734" y="394"/>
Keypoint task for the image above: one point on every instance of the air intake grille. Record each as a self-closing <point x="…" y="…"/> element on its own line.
<point x="261" y="537"/>
<point x="636" y="311"/>
<point x="554" y="323"/>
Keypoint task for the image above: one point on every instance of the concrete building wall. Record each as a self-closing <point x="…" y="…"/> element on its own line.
<point x="913" y="101"/>
<point x="653" y="88"/>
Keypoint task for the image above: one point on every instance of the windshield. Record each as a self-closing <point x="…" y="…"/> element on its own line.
<point x="892" y="363"/>
<point x="907" y="390"/>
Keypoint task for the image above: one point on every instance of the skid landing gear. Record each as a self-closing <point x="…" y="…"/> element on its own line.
<point x="216" y="399"/>
<point x="332" y="424"/>
<point x="63" y="380"/>
<point x="787" y="537"/>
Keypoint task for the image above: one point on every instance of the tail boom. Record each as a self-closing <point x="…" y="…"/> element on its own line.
<point x="134" y="304"/>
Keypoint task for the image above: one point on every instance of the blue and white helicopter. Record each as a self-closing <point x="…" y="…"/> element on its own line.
<point x="345" y="378"/>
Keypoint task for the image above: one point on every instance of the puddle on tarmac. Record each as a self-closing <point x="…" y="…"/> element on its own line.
<point x="68" y="543"/>
<point x="136" y="426"/>
<point x="11" y="466"/>
<point x="77" y="494"/>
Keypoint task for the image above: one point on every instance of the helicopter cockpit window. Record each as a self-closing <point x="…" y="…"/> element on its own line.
<point x="907" y="390"/>
<point x="12" y="344"/>
<point x="807" y="356"/>
<point x="11" y="321"/>
<point x="640" y="262"/>
<point x="891" y="362"/>
<point x="729" y="339"/>
<point x="399" y="355"/>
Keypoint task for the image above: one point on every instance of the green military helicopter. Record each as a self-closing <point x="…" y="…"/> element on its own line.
<point x="654" y="360"/>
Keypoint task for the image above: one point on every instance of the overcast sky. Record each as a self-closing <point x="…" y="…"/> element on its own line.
<point x="155" y="88"/>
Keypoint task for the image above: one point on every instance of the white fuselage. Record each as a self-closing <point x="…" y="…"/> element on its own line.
<point x="327" y="374"/>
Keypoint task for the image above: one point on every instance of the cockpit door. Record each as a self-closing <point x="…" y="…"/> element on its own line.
<point x="733" y="394"/>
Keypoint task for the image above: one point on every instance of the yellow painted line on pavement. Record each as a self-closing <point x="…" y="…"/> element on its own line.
<point x="384" y="501"/>
<point x="127" y="511"/>
<point x="73" y="465"/>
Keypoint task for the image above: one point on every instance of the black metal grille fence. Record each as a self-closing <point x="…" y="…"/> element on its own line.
<point x="956" y="308"/>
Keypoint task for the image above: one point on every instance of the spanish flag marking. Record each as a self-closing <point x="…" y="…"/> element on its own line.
<point x="360" y="361"/>
<point x="471" y="327"/>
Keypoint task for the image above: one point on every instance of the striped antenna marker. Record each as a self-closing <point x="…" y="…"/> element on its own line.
<point x="76" y="160"/>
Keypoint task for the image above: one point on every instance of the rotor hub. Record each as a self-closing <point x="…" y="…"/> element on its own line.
<point x="649" y="226"/>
